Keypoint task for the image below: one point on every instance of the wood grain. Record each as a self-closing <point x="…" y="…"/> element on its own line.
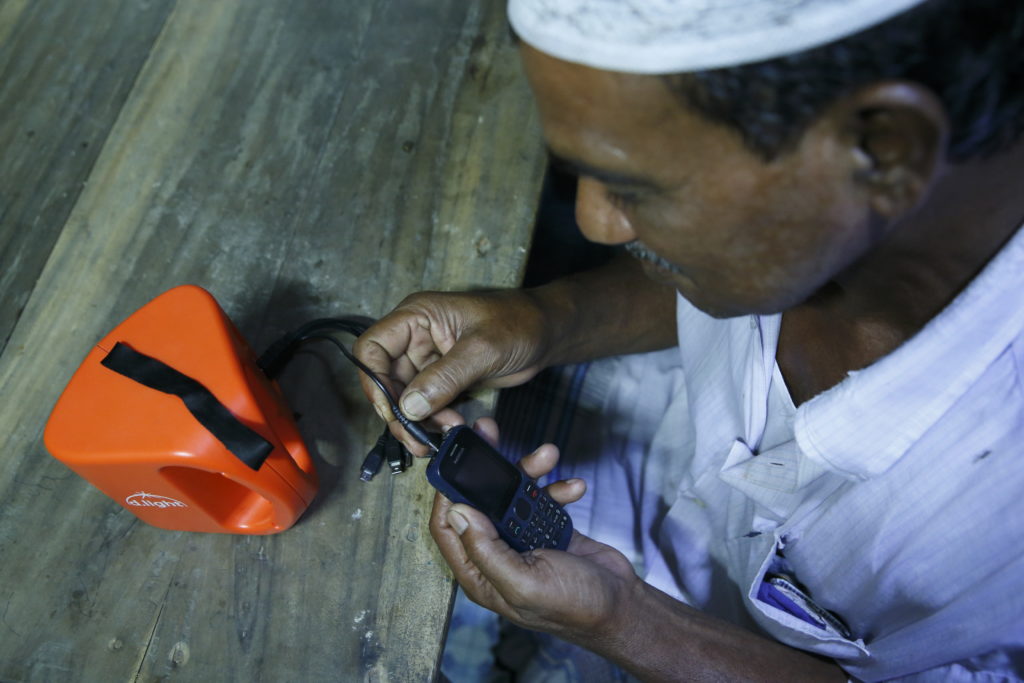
<point x="297" y="160"/>
<point x="65" y="71"/>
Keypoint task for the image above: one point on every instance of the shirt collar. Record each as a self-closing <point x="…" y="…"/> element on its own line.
<point x="862" y="426"/>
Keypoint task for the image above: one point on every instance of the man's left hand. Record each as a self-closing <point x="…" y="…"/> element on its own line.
<point x="576" y="594"/>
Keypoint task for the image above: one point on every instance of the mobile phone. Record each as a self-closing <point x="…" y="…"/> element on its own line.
<point x="466" y="469"/>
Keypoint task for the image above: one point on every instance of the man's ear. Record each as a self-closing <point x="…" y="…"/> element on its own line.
<point x="897" y="133"/>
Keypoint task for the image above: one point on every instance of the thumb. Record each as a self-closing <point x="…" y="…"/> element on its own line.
<point x="495" y="559"/>
<point x="440" y="383"/>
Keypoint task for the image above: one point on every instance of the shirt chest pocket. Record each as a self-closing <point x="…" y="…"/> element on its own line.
<point x="781" y="606"/>
<point x="770" y="492"/>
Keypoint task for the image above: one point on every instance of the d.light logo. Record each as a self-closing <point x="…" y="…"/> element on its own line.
<point x="151" y="500"/>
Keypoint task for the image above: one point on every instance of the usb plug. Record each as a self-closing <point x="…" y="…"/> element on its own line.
<point x="375" y="458"/>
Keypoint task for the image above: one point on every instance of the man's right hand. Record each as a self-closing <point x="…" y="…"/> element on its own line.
<point x="435" y="345"/>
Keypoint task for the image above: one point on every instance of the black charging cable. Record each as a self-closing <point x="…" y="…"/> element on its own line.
<point x="388" y="449"/>
<point x="374" y="460"/>
<point x="277" y="355"/>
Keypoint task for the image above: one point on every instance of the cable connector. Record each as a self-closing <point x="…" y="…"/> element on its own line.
<point x="375" y="458"/>
<point x="399" y="459"/>
<point x="414" y="428"/>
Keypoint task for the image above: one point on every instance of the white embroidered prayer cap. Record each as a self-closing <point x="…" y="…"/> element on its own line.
<point x="671" y="36"/>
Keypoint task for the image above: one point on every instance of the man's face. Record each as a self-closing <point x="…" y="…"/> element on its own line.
<point x="732" y="233"/>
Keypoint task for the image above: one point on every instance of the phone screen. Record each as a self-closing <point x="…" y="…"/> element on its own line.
<point x="481" y="475"/>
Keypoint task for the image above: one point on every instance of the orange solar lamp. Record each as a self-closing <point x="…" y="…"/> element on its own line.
<point x="170" y="416"/>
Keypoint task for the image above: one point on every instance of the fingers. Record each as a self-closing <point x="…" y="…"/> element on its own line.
<point x="540" y="462"/>
<point x="443" y="534"/>
<point x="447" y="536"/>
<point x="418" y="449"/>
<point x="443" y="420"/>
<point x="485" y="550"/>
<point x="456" y="528"/>
<point x="537" y="464"/>
<point x="397" y="348"/>
<point x="379" y="348"/>
<point x="441" y="382"/>
<point x="446" y="418"/>
<point x="488" y="429"/>
<point x="568" y="491"/>
<point x="400" y="346"/>
<point x="434" y="346"/>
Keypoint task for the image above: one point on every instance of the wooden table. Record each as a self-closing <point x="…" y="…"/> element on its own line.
<point x="297" y="159"/>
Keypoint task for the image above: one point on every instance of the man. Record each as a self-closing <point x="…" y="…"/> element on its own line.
<point x="824" y="200"/>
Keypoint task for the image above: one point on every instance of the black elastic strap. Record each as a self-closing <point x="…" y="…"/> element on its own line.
<point x="248" y="446"/>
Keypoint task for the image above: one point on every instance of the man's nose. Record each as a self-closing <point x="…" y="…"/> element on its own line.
<point x="599" y="219"/>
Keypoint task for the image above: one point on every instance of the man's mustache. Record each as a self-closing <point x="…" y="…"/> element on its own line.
<point x="641" y="251"/>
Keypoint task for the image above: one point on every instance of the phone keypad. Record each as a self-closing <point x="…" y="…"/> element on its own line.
<point x="540" y="527"/>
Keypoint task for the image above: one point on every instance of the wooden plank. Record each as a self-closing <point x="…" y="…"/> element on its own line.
<point x="66" y="68"/>
<point x="297" y="159"/>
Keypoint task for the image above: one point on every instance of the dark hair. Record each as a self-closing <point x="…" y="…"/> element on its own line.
<point x="970" y="53"/>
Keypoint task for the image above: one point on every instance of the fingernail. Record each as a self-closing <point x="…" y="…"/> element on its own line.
<point x="415" y="406"/>
<point x="457" y="522"/>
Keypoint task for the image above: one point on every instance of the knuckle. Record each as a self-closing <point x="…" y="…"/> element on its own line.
<point x="361" y="344"/>
<point x="418" y="300"/>
<point x="443" y="379"/>
<point x="437" y="523"/>
<point x="435" y="526"/>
